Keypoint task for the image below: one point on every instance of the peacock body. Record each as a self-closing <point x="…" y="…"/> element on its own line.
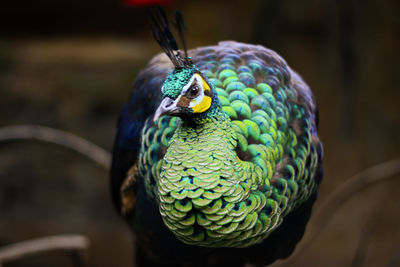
<point x="219" y="161"/>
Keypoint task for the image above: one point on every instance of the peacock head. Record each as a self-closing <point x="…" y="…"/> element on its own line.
<point x="186" y="94"/>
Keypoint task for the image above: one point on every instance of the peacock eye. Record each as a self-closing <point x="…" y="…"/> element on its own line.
<point x="193" y="91"/>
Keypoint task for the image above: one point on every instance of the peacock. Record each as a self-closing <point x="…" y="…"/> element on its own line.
<point x="216" y="160"/>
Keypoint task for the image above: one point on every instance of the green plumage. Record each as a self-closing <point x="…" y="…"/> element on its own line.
<point x="174" y="82"/>
<point x="229" y="179"/>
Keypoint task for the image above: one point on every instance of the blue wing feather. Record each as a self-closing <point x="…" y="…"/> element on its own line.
<point x="145" y="97"/>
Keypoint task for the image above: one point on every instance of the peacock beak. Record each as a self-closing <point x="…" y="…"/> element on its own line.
<point x="167" y="107"/>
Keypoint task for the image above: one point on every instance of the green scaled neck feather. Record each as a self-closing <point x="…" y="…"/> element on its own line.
<point x="207" y="194"/>
<point x="205" y="190"/>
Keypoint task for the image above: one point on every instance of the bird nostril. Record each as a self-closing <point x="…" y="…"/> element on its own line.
<point x="168" y="103"/>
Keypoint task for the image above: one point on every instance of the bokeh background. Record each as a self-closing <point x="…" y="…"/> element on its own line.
<point x="70" y="64"/>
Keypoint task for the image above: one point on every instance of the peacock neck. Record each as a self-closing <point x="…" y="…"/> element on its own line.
<point x="201" y="175"/>
<point x="197" y="133"/>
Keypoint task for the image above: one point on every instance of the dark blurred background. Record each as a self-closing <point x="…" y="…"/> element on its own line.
<point x="70" y="64"/>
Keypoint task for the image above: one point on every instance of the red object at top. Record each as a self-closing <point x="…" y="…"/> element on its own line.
<point x="147" y="2"/>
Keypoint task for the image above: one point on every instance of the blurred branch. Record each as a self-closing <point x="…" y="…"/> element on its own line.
<point x="359" y="182"/>
<point x="363" y="243"/>
<point x="395" y="260"/>
<point x="41" y="245"/>
<point x="356" y="184"/>
<point x="51" y="135"/>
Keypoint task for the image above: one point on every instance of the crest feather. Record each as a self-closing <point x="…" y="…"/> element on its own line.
<point x="164" y="37"/>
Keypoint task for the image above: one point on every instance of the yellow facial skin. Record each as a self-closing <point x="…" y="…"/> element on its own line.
<point x="203" y="106"/>
<point x="206" y="101"/>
